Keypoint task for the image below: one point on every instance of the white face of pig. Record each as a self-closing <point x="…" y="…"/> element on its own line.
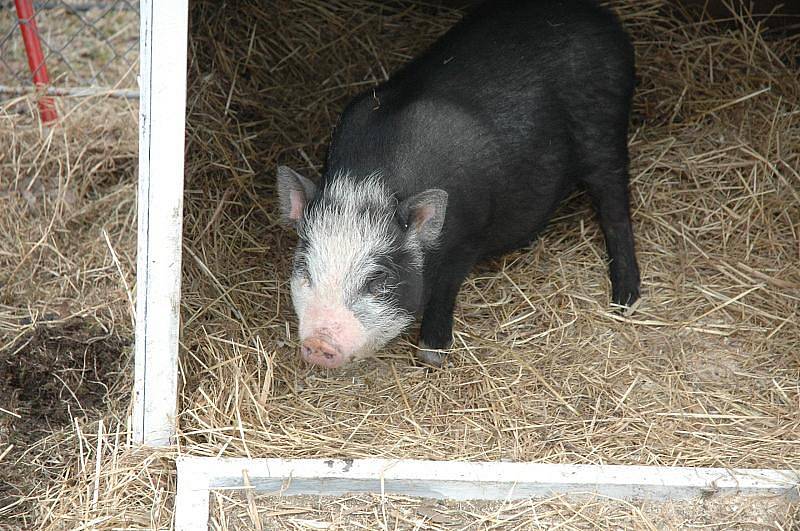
<point x="357" y="277"/>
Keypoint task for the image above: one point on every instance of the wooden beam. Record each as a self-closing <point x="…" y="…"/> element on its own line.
<point x="162" y="85"/>
<point x="452" y="480"/>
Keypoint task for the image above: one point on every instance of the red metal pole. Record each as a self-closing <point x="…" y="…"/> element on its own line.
<point x="33" y="47"/>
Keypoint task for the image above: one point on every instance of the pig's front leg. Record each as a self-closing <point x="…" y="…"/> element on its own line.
<point x="436" y="332"/>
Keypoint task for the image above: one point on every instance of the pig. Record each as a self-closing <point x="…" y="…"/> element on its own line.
<point x="461" y="155"/>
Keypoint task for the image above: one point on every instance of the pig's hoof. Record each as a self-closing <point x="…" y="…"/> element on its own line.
<point x="428" y="356"/>
<point x="629" y="307"/>
<point x="625" y="298"/>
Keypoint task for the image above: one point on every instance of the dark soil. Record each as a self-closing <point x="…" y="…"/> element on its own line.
<point x="54" y="373"/>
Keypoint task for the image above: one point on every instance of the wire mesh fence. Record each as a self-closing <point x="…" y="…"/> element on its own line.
<point x="88" y="47"/>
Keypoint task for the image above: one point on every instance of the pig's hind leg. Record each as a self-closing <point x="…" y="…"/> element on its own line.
<point x="436" y="331"/>
<point x="608" y="189"/>
<point x="601" y="134"/>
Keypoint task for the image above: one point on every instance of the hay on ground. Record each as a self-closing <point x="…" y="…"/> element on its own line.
<point x="235" y="510"/>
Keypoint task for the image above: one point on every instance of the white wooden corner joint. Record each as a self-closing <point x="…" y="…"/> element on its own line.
<point x="197" y="476"/>
<point x="162" y="85"/>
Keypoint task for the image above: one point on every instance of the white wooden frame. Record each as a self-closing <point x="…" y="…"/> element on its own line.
<point x="164" y="27"/>
<point x="162" y="85"/>
<point x="452" y="480"/>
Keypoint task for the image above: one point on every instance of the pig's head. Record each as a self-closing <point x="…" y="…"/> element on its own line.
<point x="357" y="276"/>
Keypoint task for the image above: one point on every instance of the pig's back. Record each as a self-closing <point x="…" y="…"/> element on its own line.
<point x="512" y="57"/>
<point x="493" y="113"/>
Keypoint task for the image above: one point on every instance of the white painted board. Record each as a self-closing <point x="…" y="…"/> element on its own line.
<point x="460" y="481"/>
<point x="162" y="85"/>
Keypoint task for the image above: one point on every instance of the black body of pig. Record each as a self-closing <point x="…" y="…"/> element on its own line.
<point x="511" y="110"/>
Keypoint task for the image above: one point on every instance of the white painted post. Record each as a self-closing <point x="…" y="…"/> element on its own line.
<point x="162" y="85"/>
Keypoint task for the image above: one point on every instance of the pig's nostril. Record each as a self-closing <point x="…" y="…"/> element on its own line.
<point x="318" y="352"/>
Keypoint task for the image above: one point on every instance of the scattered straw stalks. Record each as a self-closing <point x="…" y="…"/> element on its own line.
<point x="67" y="251"/>
<point x="234" y="511"/>
<point x="704" y="373"/>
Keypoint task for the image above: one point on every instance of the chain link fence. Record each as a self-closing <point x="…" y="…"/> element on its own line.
<point x="89" y="47"/>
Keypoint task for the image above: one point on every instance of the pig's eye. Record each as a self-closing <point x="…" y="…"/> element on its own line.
<point x="305" y="278"/>
<point x="377" y="284"/>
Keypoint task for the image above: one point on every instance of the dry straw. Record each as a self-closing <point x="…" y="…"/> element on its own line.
<point x="705" y="372"/>
<point x="232" y="511"/>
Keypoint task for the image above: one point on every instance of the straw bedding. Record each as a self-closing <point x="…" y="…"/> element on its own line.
<point x="234" y="511"/>
<point x="704" y="372"/>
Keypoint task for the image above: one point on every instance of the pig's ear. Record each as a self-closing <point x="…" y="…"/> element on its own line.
<point x="423" y="214"/>
<point x="294" y="191"/>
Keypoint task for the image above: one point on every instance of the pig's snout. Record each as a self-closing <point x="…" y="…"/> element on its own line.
<point x="320" y="352"/>
<point x="330" y="335"/>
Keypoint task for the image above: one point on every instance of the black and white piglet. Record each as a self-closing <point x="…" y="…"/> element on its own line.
<point x="463" y="154"/>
